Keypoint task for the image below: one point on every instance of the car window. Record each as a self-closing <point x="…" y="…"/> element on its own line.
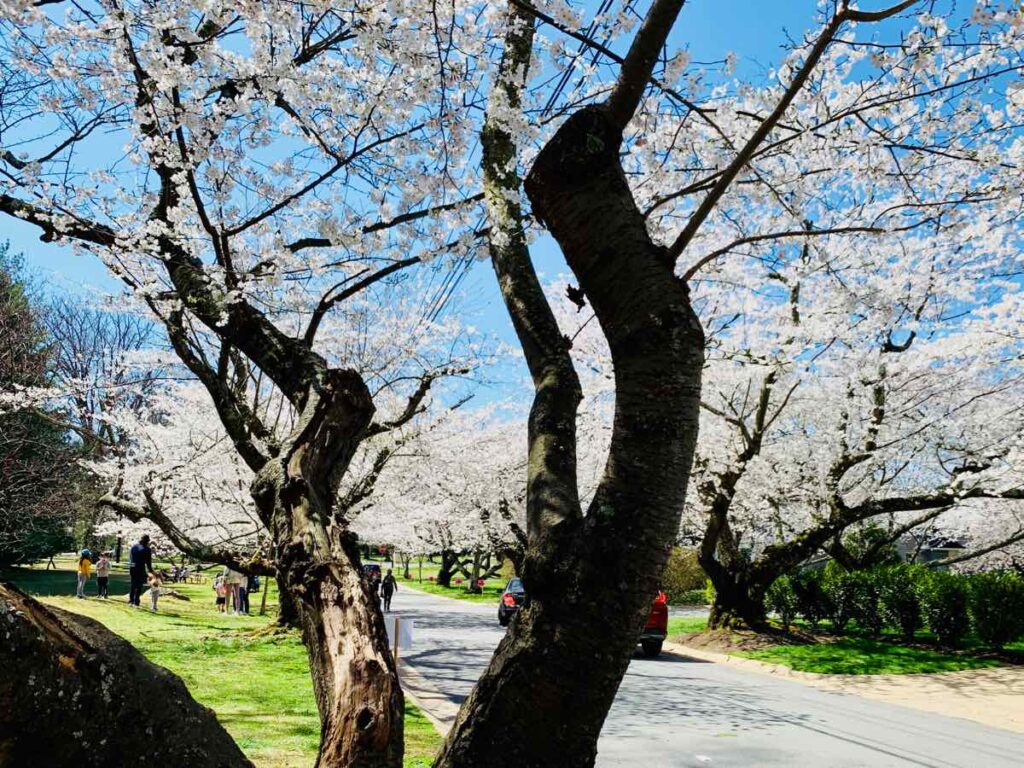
<point x="515" y="585"/>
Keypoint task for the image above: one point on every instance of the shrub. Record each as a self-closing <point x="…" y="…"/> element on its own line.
<point x="997" y="607"/>
<point x="709" y="592"/>
<point x="683" y="574"/>
<point x="840" y="591"/>
<point x="781" y="598"/>
<point x="944" y="597"/>
<point x="899" y="599"/>
<point x="692" y="597"/>
<point x="867" y="609"/>
<point x="809" y="595"/>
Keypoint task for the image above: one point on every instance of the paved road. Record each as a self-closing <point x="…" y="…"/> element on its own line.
<point x="676" y="712"/>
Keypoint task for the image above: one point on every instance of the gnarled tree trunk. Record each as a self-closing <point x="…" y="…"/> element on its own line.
<point x="354" y="678"/>
<point x="739" y="600"/>
<point x="74" y="694"/>
<point x="449" y="560"/>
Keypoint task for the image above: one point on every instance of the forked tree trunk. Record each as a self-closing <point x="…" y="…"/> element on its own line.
<point x="545" y="695"/>
<point x="354" y="678"/>
<point x="739" y="601"/>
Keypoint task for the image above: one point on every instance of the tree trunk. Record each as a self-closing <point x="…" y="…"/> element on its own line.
<point x="738" y="603"/>
<point x="475" y="575"/>
<point x="73" y="694"/>
<point x="533" y="706"/>
<point x="448" y="562"/>
<point x="287" y="605"/>
<point x="354" y="677"/>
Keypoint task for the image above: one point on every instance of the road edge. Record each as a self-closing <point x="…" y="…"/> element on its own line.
<point x="953" y="699"/>
<point x="439" y="709"/>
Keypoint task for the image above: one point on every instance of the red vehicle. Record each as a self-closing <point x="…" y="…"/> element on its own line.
<point x="651" y="638"/>
<point x="656" y="628"/>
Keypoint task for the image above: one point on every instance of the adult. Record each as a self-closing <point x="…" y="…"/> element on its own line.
<point x="140" y="564"/>
<point x="388" y="587"/>
<point x="234" y="581"/>
<point x="84" y="570"/>
<point x="243" y="595"/>
<point x="103" y="576"/>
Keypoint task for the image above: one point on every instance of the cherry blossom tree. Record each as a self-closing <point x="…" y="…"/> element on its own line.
<point x="282" y="159"/>
<point x="889" y="397"/>
<point x="457" y="488"/>
<point x="271" y="164"/>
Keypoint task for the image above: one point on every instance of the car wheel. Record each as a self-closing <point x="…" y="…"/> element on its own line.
<point x="503" y="619"/>
<point x="651" y="648"/>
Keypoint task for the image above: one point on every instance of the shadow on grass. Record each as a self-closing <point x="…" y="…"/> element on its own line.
<point x="866" y="656"/>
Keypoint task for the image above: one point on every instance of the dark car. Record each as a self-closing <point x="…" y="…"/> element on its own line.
<point x="512" y="599"/>
<point x="371" y="572"/>
<point x="653" y="635"/>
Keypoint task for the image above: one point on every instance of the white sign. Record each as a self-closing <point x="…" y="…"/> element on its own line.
<point x="403" y="628"/>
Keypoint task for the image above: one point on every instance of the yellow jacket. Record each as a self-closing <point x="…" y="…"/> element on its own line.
<point x="85" y="566"/>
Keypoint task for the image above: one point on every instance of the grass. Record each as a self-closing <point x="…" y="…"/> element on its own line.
<point x="858" y="655"/>
<point x="490" y="593"/>
<point x="866" y="656"/>
<point x="685" y="625"/>
<point x="259" y="686"/>
<point x="424" y="573"/>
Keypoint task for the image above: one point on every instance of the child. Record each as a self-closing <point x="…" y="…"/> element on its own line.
<point x="84" y="569"/>
<point x="154" y="589"/>
<point x="103" y="576"/>
<point x="222" y="593"/>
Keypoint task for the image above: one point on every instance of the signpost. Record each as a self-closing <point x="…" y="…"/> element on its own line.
<point x="399" y="634"/>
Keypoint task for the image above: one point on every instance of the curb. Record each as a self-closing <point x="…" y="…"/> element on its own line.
<point x="753" y="665"/>
<point x="440" y="710"/>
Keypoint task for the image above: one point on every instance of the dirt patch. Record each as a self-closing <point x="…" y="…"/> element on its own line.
<point x="731" y="640"/>
<point x="991" y="696"/>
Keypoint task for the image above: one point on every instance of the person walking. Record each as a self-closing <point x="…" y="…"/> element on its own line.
<point x="234" y="581"/>
<point x="140" y="563"/>
<point x="388" y="587"/>
<point x="103" y="576"/>
<point x="84" y="571"/>
<point x="154" y="589"/>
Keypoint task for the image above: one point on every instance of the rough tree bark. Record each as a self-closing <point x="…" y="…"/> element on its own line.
<point x="576" y="564"/>
<point x="75" y="694"/>
<point x="354" y="678"/>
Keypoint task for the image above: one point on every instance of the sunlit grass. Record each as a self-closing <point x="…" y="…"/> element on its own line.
<point x="490" y="592"/>
<point x="685" y="625"/>
<point x="259" y="686"/>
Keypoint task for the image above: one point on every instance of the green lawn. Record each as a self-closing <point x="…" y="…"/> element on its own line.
<point x="865" y="656"/>
<point x="857" y="655"/>
<point x="684" y="625"/>
<point x="490" y="594"/>
<point x="259" y="686"/>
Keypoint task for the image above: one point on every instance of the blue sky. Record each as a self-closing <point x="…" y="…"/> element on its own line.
<point x="755" y="30"/>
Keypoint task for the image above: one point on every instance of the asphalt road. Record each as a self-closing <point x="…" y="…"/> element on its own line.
<point x="677" y="712"/>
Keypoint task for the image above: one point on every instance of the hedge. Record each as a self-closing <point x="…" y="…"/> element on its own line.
<point x="905" y="598"/>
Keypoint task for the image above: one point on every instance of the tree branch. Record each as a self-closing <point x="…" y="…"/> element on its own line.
<point x="152" y="511"/>
<point x="761" y="133"/>
<point x="639" y="62"/>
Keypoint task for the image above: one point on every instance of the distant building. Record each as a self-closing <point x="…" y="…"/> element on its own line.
<point x="913" y="550"/>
